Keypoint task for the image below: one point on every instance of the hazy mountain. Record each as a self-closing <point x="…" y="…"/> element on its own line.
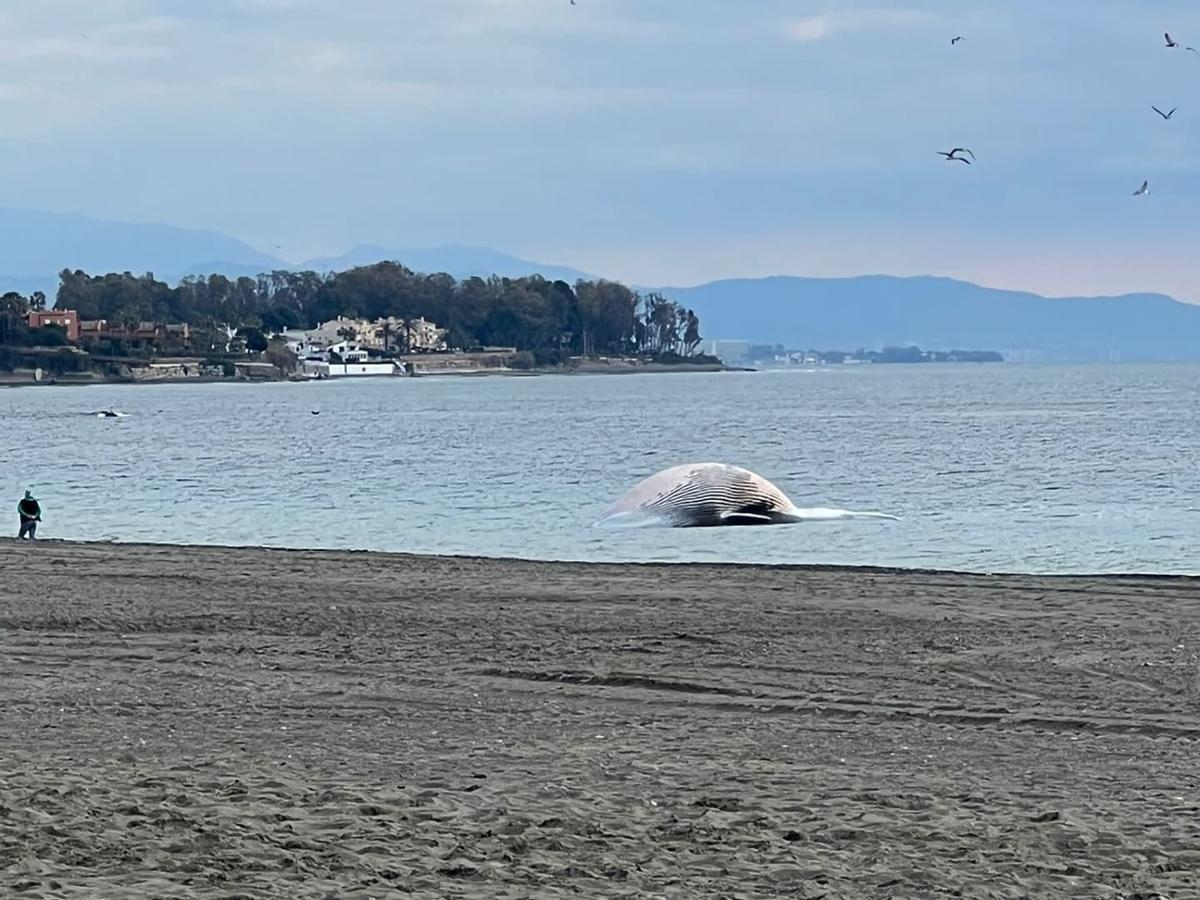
<point x="461" y="262"/>
<point x="36" y="246"/>
<point x="943" y="314"/>
<point x="819" y="313"/>
<point x="41" y="244"/>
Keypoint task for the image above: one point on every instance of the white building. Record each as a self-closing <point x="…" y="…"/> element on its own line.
<point x="353" y="367"/>
<point x="728" y="351"/>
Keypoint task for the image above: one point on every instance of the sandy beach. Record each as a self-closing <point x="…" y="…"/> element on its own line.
<point x="202" y="722"/>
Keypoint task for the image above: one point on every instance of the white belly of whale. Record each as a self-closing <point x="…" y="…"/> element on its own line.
<point x="710" y="495"/>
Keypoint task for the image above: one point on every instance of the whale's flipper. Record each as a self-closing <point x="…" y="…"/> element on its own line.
<point x="739" y="517"/>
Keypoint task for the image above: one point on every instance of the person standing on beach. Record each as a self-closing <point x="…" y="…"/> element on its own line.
<point x="30" y="512"/>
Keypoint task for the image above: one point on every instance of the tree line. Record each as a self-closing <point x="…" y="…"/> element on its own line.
<point x="551" y="319"/>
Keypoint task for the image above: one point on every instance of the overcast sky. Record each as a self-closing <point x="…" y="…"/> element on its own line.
<point x="659" y="141"/>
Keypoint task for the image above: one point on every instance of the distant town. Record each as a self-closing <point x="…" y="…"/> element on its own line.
<point x="745" y="353"/>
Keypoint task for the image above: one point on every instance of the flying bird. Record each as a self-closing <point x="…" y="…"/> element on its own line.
<point x="1144" y="189"/>
<point x="953" y="155"/>
<point x="955" y="40"/>
<point x="1170" y="43"/>
<point x="1165" y="115"/>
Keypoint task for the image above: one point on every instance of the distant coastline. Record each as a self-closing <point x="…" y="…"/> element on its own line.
<point x="773" y="356"/>
<point x="28" y="378"/>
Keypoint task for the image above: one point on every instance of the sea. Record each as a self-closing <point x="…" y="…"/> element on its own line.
<point x="990" y="468"/>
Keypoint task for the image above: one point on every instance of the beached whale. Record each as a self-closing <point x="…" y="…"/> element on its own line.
<point x="698" y="495"/>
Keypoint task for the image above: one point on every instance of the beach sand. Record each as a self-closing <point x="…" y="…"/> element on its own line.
<point x="201" y="722"/>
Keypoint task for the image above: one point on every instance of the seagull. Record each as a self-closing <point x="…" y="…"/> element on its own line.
<point x="1170" y="43"/>
<point x="952" y="155"/>
<point x="1163" y="114"/>
<point x="315" y="412"/>
<point x="955" y="40"/>
<point x="1144" y="189"/>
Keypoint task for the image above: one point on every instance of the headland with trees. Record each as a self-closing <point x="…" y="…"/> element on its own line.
<point x="546" y="324"/>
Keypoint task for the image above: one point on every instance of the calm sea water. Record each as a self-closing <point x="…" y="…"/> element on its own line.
<point x="992" y="468"/>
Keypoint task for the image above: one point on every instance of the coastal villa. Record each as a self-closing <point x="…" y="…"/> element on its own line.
<point x="66" y="319"/>
<point x="391" y="333"/>
<point x="419" y="335"/>
<point x="90" y="330"/>
<point x="326" y="334"/>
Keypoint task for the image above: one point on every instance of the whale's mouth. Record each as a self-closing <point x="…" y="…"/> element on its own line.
<point x="640" y="518"/>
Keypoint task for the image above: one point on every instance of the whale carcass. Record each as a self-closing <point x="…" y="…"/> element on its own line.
<point x="699" y="495"/>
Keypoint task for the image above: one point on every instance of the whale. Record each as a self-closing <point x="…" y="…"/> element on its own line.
<point x="713" y="494"/>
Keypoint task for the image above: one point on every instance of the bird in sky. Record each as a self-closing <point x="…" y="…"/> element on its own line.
<point x="953" y="155"/>
<point x="1144" y="189"/>
<point x="1165" y="115"/>
<point x="955" y="40"/>
<point x="1170" y="43"/>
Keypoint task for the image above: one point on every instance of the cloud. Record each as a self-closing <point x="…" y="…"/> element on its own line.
<point x="274" y="5"/>
<point x="326" y="56"/>
<point x="52" y="50"/>
<point x="825" y="25"/>
<point x="137" y="29"/>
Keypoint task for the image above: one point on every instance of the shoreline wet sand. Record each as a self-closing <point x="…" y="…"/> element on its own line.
<point x="210" y="722"/>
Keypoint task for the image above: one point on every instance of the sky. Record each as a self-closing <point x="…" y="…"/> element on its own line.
<point x="664" y="142"/>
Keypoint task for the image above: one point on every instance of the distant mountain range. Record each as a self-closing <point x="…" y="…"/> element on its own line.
<point x="36" y="246"/>
<point x="868" y="312"/>
<point x="943" y="314"/>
